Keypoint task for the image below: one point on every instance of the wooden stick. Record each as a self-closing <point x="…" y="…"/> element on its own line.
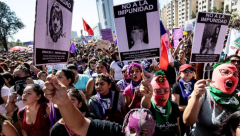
<point x="143" y="76"/>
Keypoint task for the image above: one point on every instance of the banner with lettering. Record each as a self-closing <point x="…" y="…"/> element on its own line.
<point x="209" y="36"/>
<point x="52" y="34"/>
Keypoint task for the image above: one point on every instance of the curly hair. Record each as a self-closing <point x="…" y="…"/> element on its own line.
<point x="131" y="65"/>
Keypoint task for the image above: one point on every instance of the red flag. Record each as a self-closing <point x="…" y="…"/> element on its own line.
<point x="87" y="28"/>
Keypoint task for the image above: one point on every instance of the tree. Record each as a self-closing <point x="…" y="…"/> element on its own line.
<point x="10" y="24"/>
<point x="214" y="9"/>
<point x="193" y="15"/>
<point x="18" y="43"/>
<point x="220" y="11"/>
<point x="234" y="16"/>
<point x="227" y="9"/>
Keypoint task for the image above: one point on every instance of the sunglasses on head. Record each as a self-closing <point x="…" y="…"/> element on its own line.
<point x="235" y="61"/>
<point x="187" y="71"/>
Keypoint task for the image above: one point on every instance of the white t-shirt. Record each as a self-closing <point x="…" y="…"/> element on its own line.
<point x="4" y="92"/>
<point x="154" y="62"/>
<point x="117" y="70"/>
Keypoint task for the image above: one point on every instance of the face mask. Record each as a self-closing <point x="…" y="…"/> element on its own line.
<point x="20" y="84"/>
<point x="139" y="121"/>
<point x="160" y="82"/>
<point x="223" y="78"/>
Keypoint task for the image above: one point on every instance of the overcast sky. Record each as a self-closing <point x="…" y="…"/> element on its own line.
<point x="86" y="9"/>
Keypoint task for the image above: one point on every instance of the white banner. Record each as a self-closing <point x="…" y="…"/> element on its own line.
<point x="233" y="42"/>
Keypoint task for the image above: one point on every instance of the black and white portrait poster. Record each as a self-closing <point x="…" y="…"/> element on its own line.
<point x="52" y="31"/>
<point x="209" y="36"/>
<point x="138" y="29"/>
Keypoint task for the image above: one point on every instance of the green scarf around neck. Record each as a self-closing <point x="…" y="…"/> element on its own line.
<point x="162" y="113"/>
<point x="230" y="101"/>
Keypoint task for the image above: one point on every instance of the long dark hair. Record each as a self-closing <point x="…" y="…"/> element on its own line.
<point x="232" y="121"/>
<point x="1" y="85"/>
<point x="8" y="76"/>
<point x="109" y="80"/>
<point x="38" y="90"/>
<point x="69" y="75"/>
<point x="75" y="93"/>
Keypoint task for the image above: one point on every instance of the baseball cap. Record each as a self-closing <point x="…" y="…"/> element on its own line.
<point x="185" y="66"/>
<point x="125" y="67"/>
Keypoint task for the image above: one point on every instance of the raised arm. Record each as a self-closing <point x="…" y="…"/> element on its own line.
<point x="147" y="91"/>
<point x="57" y="93"/>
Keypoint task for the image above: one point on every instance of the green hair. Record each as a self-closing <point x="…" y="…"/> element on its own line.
<point x="159" y="73"/>
<point x="220" y="63"/>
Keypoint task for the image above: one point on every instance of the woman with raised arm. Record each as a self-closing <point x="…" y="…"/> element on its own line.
<point x="209" y="106"/>
<point x="131" y="93"/>
<point x="165" y="112"/>
<point x="138" y="122"/>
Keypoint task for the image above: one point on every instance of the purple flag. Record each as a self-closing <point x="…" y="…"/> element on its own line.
<point x="177" y="34"/>
<point x="116" y="40"/>
<point x="72" y="48"/>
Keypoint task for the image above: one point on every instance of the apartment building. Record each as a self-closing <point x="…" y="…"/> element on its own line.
<point x="185" y="8"/>
<point x="207" y="5"/>
<point x="163" y="16"/>
<point x="233" y="5"/>
<point x="172" y="14"/>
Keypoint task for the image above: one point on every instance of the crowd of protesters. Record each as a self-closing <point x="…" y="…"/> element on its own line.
<point x="98" y="94"/>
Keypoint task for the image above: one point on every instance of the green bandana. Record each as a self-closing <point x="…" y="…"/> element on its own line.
<point x="230" y="101"/>
<point x="162" y="113"/>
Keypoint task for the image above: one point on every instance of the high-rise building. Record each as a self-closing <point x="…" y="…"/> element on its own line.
<point x="163" y="16"/>
<point x="105" y="14"/>
<point x="97" y="30"/>
<point x="207" y="5"/>
<point x="185" y="9"/>
<point x="233" y="5"/>
<point x="172" y="14"/>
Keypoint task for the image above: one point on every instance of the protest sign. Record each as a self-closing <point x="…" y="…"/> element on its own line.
<point x="189" y="25"/>
<point x="138" y="29"/>
<point x="233" y="42"/>
<point x="103" y="44"/>
<point x="52" y="31"/>
<point x="177" y="34"/>
<point x="107" y="34"/>
<point x="209" y="36"/>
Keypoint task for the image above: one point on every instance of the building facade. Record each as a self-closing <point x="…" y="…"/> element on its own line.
<point x="207" y="5"/>
<point x="172" y="14"/>
<point x="105" y="14"/>
<point x="233" y="5"/>
<point x="97" y="30"/>
<point x="163" y="16"/>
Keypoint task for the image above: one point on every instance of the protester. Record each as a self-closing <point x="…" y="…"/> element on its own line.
<point x="33" y="118"/>
<point x="42" y="75"/>
<point x="80" y="79"/>
<point x="182" y="89"/>
<point x="91" y="69"/>
<point x="122" y="84"/>
<point x="108" y="103"/>
<point x="8" y="79"/>
<point x="209" y="107"/>
<point x="132" y="93"/>
<point x="230" y="127"/>
<point x="4" y="95"/>
<point x="165" y="112"/>
<point x="101" y="67"/>
<point x="6" y="127"/>
<point x="150" y="66"/>
<point x="235" y="60"/>
<point x="116" y="67"/>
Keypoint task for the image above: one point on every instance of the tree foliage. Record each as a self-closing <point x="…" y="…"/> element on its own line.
<point x="227" y="10"/>
<point x="193" y="15"/>
<point x="10" y="24"/>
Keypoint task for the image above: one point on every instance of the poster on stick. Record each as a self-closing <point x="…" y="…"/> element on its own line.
<point x="233" y="42"/>
<point x="107" y="34"/>
<point x="177" y="34"/>
<point x="138" y="29"/>
<point x="209" y="36"/>
<point x="52" y="31"/>
<point x="189" y="25"/>
<point x="103" y="44"/>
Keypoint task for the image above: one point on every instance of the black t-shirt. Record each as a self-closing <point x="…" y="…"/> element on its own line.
<point x="96" y="127"/>
<point x="177" y="90"/>
<point x="178" y="64"/>
<point x="170" y="127"/>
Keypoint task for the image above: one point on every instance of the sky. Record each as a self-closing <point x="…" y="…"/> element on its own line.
<point x="86" y="9"/>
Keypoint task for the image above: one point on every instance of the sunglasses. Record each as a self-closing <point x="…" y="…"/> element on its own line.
<point x="187" y="71"/>
<point x="226" y="72"/>
<point x="235" y="61"/>
<point x="124" y="71"/>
